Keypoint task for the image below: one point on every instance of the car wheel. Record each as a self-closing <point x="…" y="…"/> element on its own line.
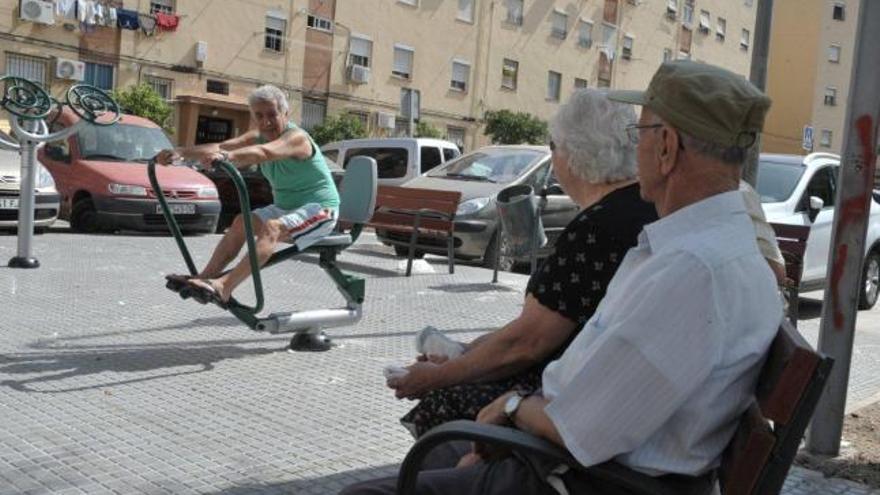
<point x="403" y="252"/>
<point x="505" y="262"/>
<point x="84" y="217"/>
<point x="870" y="281"/>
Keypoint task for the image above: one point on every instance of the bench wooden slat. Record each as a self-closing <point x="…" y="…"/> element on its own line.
<point x="392" y="221"/>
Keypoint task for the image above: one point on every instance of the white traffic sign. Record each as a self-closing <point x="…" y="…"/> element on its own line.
<point x="807" y="142"/>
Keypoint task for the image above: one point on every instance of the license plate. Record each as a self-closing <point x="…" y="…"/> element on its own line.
<point x="8" y="203"/>
<point x="179" y="209"/>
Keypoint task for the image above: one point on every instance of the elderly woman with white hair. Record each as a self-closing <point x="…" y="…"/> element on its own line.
<point x="305" y="197"/>
<point x="594" y="159"/>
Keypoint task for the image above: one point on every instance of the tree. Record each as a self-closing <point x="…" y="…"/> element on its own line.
<point x="426" y="130"/>
<point x="142" y="100"/>
<point x="506" y="127"/>
<point x="337" y="128"/>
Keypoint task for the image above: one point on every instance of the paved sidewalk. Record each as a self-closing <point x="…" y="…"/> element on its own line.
<point x="111" y="384"/>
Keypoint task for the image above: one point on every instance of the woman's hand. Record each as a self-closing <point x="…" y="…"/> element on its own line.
<point x="167" y="157"/>
<point x="421" y="377"/>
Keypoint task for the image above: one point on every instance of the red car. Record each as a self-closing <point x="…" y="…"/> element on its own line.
<point x="101" y="174"/>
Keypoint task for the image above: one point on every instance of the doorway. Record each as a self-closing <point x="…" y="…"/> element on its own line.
<point x="213" y="130"/>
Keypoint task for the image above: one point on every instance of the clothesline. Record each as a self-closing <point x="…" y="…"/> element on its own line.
<point x="91" y="13"/>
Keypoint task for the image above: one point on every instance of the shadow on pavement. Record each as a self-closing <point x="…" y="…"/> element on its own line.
<point x="355" y="267"/>
<point x="478" y="287"/>
<point x="333" y="483"/>
<point x="413" y="333"/>
<point x="64" y="363"/>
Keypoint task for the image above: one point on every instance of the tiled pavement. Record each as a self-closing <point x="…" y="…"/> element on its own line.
<point x="111" y="384"/>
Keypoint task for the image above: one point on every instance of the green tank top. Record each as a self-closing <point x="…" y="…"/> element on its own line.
<point x="299" y="182"/>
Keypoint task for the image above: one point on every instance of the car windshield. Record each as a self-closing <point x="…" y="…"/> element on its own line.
<point x="499" y="165"/>
<point x="121" y="142"/>
<point x="777" y="180"/>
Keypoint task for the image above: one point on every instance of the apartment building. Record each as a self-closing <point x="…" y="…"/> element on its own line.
<point x="812" y="47"/>
<point x="449" y="61"/>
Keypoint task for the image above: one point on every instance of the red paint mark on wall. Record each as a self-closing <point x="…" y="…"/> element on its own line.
<point x="853" y="208"/>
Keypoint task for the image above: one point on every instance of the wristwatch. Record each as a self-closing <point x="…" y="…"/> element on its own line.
<point x="224" y="155"/>
<point x="512" y="404"/>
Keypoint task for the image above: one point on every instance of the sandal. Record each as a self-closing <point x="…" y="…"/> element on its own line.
<point x="176" y="282"/>
<point x="204" y="293"/>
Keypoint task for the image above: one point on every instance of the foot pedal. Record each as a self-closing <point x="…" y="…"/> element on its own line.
<point x="311" y="342"/>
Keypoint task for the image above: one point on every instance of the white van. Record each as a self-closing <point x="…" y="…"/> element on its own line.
<point x="398" y="159"/>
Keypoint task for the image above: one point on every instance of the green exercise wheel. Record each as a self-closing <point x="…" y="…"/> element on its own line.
<point x="25" y="99"/>
<point x="91" y="103"/>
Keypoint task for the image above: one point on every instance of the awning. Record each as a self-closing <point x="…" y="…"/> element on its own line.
<point x="213" y="102"/>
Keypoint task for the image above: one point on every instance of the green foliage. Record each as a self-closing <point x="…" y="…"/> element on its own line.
<point x="142" y="100"/>
<point x="337" y="128"/>
<point x="506" y="127"/>
<point x="426" y="130"/>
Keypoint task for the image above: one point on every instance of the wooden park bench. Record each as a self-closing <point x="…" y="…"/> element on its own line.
<point x="756" y="462"/>
<point x="792" y="240"/>
<point x="415" y="217"/>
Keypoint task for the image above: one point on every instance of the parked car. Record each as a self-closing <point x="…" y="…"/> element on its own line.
<point x="480" y="175"/>
<point x="101" y="173"/>
<point x="801" y="190"/>
<point x="46" y="198"/>
<point x="259" y="190"/>
<point x="397" y="159"/>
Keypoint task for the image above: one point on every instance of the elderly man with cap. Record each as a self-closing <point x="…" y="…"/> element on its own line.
<point x="659" y="375"/>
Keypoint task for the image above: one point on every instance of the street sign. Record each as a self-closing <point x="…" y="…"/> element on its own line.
<point x="807" y="142"/>
<point x="410" y="101"/>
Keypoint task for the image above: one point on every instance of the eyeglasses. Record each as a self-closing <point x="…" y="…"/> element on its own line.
<point x="632" y="130"/>
<point x="552" y="145"/>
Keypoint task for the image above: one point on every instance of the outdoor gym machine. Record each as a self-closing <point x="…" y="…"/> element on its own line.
<point x="28" y="105"/>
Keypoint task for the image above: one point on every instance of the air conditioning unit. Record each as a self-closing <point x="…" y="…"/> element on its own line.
<point x="70" y="69"/>
<point x="201" y="51"/>
<point x="359" y="74"/>
<point x="385" y="120"/>
<point x="40" y="11"/>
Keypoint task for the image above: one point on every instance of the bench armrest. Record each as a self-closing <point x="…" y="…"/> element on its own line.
<point x="635" y="482"/>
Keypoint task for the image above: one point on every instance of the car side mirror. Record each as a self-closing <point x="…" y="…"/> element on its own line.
<point x="56" y="153"/>
<point x="816" y="205"/>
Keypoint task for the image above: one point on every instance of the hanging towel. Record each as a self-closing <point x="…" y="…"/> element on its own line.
<point x="148" y="24"/>
<point x="65" y="9"/>
<point x="127" y="19"/>
<point x="166" y="22"/>
<point x="99" y="14"/>
<point x="111" y="16"/>
<point x="86" y="10"/>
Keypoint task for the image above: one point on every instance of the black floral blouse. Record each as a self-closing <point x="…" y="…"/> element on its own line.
<point x="571" y="281"/>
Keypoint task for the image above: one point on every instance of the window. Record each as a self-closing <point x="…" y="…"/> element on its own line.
<point x="162" y="6"/>
<point x="359" y="51"/>
<point x="831" y="96"/>
<point x="461" y="72"/>
<point x="364" y="117"/>
<point x="99" y="75"/>
<point x="609" y="14"/>
<point x="456" y="135"/>
<point x="414" y="3"/>
<point x="275" y="27"/>
<point x="609" y="40"/>
<point x="580" y="83"/>
<point x="453" y="153"/>
<point x="705" y="22"/>
<point x="626" y="52"/>
<point x="585" y="33"/>
<point x="838" y="13"/>
<point x="161" y="85"/>
<point x="403" y="61"/>
<point x="560" y="24"/>
<point x="554" y="83"/>
<point x="509" y="73"/>
<point x="667" y="55"/>
<point x="834" y="53"/>
<point x="687" y="13"/>
<point x="320" y="23"/>
<point x="313" y="113"/>
<point x="465" y="10"/>
<point x="430" y="157"/>
<point x="744" y="39"/>
<point x="390" y="162"/>
<point x="720" y="28"/>
<point x="26" y="67"/>
<point x="218" y="87"/>
<point x="822" y="185"/>
<point x="671" y="9"/>
<point x="515" y="12"/>
<point x="825" y="140"/>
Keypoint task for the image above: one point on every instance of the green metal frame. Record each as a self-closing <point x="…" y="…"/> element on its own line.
<point x="352" y="288"/>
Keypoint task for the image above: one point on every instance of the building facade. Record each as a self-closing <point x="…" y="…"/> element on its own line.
<point x="812" y="46"/>
<point x="445" y="61"/>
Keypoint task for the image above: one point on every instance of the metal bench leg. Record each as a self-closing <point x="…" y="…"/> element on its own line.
<point x="413" y="238"/>
<point x="450" y="252"/>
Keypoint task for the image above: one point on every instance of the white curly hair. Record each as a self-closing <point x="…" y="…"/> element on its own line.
<point x="591" y="130"/>
<point x="268" y="92"/>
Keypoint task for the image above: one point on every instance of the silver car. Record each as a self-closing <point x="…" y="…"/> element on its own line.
<point x="479" y="176"/>
<point x="46" y="200"/>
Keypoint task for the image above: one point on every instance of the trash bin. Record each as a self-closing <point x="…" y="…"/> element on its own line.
<point x="520" y="220"/>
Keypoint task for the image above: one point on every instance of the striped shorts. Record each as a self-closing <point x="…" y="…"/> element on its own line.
<point x="305" y="225"/>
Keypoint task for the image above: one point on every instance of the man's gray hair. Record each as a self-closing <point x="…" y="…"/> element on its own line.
<point x="270" y="93"/>
<point x="591" y="130"/>
<point x="731" y="155"/>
